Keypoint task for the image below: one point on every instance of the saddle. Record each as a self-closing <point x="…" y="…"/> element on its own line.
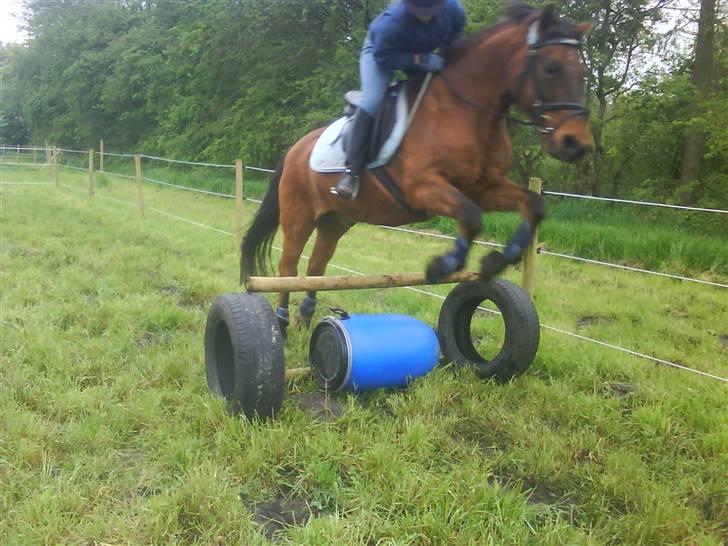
<point x="390" y="124"/>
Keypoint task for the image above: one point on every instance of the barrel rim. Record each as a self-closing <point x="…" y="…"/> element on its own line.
<point x="338" y="327"/>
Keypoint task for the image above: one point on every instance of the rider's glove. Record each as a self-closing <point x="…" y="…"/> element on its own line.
<point x="431" y="62"/>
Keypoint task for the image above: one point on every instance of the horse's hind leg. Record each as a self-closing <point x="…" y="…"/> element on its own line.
<point x="330" y="229"/>
<point x="295" y="234"/>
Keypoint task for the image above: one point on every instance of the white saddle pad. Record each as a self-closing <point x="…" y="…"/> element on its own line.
<point x="328" y="154"/>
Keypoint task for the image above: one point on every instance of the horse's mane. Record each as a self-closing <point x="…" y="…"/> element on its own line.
<point x="515" y="13"/>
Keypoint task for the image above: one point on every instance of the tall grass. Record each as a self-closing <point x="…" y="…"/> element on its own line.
<point x="663" y="240"/>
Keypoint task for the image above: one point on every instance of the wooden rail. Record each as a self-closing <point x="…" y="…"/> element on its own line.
<point x="305" y="284"/>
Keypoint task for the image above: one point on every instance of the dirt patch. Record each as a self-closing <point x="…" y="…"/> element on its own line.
<point x="149" y="339"/>
<point x="542" y="493"/>
<point x="488" y="443"/>
<point x="723" y="340"/>
<point x="148" y="491"/>
<point x="539" y="492"/>
<point x="679" y="313"/>
<point x="170" y="289"/>
<point x="322" y="405"/>
<point x="590" y="320"/>
<point x="618" y="388"/>
<point x="275" y="515"/>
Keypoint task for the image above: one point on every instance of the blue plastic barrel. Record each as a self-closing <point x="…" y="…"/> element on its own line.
<point x="363" y="352"/>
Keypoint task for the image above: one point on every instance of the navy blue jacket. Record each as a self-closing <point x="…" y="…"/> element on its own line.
<point x="396" y="35"/>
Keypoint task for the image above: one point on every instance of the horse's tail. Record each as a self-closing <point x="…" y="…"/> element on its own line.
<point x="256" y="247"/>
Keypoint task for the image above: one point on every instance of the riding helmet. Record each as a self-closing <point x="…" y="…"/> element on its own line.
<point x="424" y="8"/>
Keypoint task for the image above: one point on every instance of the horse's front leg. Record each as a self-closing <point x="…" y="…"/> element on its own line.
<point x="440" y="198"/>
<point x="506" y="196"/>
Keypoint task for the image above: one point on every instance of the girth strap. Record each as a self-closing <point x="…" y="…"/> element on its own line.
<point x="386" y="180"/>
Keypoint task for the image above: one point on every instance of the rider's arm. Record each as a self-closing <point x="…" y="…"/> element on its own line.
<point x="389" y="34"/>
<point x="458" y="24"/>
<point x="390" y="54"/>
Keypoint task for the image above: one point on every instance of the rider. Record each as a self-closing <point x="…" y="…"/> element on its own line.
<point x="402" y="37"/>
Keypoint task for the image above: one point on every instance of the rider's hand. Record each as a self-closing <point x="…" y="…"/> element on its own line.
<point x="431" y="62"/>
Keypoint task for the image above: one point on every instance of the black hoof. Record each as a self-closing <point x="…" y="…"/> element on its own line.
<point x="437" y="269"/>
<point x="493" y="264"/>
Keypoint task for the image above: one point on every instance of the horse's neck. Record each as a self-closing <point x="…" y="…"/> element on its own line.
<point x="484" y="72"/>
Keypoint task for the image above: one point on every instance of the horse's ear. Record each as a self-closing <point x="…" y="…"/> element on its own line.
<point x="583" y="28"/>
<point x="549" y="18"/>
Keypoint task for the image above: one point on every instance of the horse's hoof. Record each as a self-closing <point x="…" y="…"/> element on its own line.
<point x="493" y="264"/>
<point x="436" y="270"/>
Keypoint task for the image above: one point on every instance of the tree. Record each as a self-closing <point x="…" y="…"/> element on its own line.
<point x="620" y="39"/>
<point x="702" y="79"/>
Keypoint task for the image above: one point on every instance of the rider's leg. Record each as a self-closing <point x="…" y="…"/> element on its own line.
<point x="374" y="81"/>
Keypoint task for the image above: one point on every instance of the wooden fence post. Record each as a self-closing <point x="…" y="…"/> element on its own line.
<point x="91" y="172"/>
<point x="101" y="155"/>
<point x="238" y="203"/>
<point x="55" y="165"/>
<point x="49" y="163"/>
<point x="140" y="182"/>
<point x="529" y="259"/>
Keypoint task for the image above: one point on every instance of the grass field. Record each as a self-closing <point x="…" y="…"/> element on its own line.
<point x="680" y="242"/>
<point x="109" y="434"/>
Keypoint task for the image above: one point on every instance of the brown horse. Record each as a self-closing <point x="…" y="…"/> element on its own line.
<point x="454" y="158"/>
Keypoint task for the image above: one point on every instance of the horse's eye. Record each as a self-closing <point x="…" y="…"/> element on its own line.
<point x="552" y="68"/>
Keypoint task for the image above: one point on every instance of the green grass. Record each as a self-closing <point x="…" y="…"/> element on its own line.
<point x="109" y="434"/>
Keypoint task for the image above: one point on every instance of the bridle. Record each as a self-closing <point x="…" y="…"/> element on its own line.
<point x="539" y="118"/>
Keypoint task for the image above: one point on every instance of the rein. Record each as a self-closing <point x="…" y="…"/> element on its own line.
<point x="539" y="107"/>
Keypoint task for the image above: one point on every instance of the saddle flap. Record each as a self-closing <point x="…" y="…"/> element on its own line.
<point x="390" y="124"/>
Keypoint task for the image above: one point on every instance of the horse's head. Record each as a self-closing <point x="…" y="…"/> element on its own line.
<point x="549" y="80"/>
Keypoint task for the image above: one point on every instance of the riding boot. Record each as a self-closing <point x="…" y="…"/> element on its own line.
<point x="356" y="152"/>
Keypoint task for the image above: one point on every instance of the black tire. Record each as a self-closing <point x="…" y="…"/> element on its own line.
<point x="522" y="331"/>
<point x="244" y="355"/>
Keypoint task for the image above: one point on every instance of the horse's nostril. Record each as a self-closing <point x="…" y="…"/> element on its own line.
<point x="573" y="148"/>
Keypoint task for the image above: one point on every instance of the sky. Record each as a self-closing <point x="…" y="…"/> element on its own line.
<point x="10" y="11"/>
<point x="9" y="31"/>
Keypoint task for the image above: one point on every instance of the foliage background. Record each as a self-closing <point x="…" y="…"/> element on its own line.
<point x="219" y="79"/>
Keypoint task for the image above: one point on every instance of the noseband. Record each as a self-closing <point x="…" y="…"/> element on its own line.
<point x="538" y="115"/>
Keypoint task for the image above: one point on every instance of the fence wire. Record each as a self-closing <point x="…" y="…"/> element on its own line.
<point x="439" y="296"/>
<point x="435" y="235"/>
<point x="181" y="162"/>
<point x="632" y="202"/>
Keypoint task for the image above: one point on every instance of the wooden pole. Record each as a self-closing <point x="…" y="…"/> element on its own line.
<point x="55" y="165"/>
<point x="301" y="284"/>
<point x="238" y="204"/>
<point x="101" y="155"/>
<point x="49" y="162"/>
<point x="140" y="183"/>
<point x="91" y="172"/>
<point x="529" y="259"/>
<point x="292" y="373"/>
